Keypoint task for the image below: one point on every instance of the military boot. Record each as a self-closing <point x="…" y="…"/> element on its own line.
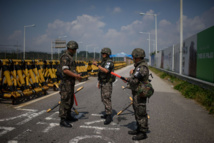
<point x="104" y="116"/>
<point x="108" y="120"/>
<point x="140" y="136"/>
<point x="71" y="118"/>
<point x="134" y="132"/>
<point x="65" y="123"/>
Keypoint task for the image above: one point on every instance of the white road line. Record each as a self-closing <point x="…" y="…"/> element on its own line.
<point x="20" y="116"/>
<point x="114" y="83"/>
<point x="50" y="126"/>
<point x="99" y="128"/>
<point x="51" y="117"/>
<point x="5" y="130"/>
<point x="35" y="100"/>
<point x="97" y="121"/>
<point x="79" y="138"/>
<point x="97" y="115"/>
<point x="79" y="83"/>
<point x="41" y="98"/>
<point x="22" y="135"/>
<point x="30" y="117"/>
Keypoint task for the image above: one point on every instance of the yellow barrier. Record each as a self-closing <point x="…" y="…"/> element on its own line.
<point x="119" y="64"/>
<point x="81" y="68"/>
<point x="19" y="79"/>
<point x="28" y="78"/>
<point x="92" y="69"/>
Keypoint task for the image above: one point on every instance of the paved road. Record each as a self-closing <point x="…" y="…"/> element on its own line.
<point x="173" y="118"/>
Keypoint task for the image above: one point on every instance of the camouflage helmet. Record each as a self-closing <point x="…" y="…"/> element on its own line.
<point x="72" y="45"/>
<point x="138" y="53"/>
<point x="106" y="51"/>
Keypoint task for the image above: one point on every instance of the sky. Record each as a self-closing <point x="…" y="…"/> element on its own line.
<point x="96" y="24"/>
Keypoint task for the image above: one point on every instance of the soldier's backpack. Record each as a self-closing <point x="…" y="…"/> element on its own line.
<point x="145" y="89"/>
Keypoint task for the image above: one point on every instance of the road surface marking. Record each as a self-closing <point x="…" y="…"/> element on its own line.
<point x="99" y="128"/>
<point x="20" y="116"/>
<point x="30" y="117"/>
<point x="41" y="98"/>
<point x="35" y="100"/>
<point x="97" y="115"/>
<point x="5" y="130"/>
<point x="22" y="135"/>
<point x="51" y="117"/>
<point x="79" y="138"/>
<point x="50" y="126"/>
<point x="97" y="121"/>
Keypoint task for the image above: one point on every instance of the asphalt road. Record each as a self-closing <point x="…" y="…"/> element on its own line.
<point x="173" y="118"/>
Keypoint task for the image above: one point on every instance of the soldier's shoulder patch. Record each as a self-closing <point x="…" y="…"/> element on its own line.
<point x="108" y="63"/>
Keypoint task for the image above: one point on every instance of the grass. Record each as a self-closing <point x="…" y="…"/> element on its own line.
<point x="203" y="96"/>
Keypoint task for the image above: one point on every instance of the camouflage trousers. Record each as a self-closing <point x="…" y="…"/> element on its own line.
<point x="67" y="99"/>
<point x="139" y="106"/>
<point x="106" y="91"/>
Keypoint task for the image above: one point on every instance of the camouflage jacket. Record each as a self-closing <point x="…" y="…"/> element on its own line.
<point x="109" y="65"/>
<point x="138" y="81"/>
<point x="67" y="62"/>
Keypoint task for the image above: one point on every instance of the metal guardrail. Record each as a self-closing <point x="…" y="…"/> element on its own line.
<point x="199" y="82"/>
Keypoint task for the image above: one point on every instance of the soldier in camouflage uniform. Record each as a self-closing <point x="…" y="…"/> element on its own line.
<point x="141" y="89"/>
<point x="105" y="82"/>
<point x="68" y="70"/>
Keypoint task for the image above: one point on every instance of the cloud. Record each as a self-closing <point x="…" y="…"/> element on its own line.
<point x="16" y="36"/>
<point x="85" y="28"/>
<point x="207" y="17"/>
<point x="91" y="30"/>
<point x="41" y="39"/>
<point x="117" y="10"/>
<point x="169" y="33"/>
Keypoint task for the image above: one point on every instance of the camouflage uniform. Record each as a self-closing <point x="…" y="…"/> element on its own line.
<point x="106" y="84"/>
<point x="139" y="100"/>
<point x="67" y="85"/>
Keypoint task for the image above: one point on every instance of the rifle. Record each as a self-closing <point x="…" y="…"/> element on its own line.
<point x="80" y="88"/>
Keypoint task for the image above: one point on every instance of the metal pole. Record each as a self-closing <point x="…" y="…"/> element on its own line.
<point x="149" y="51"/>
<point x="149" y="44"/>
<point x="51" y="51"/>
<point x="94" y="53"/>
<point x="181" y="34"/>
<point x="173" y="57"/>
<point x="156" y="34"/>
<point x="58" y="53"/>
<point x="24" y="45"/>
<point x="86" y="55"/>
<point x="24" y="39"/>
<point x="100" y="55"/>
